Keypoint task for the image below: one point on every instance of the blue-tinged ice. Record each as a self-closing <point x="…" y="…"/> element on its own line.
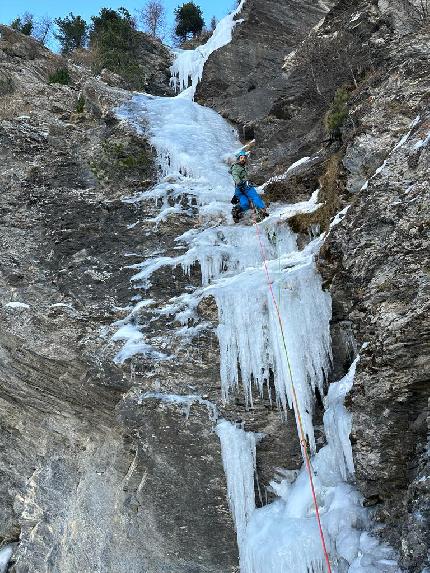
<point x="283" y="536"/>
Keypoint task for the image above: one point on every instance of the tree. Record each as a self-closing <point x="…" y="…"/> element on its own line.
<point x="189" y="20"/>
<point x="24" y="24"/>
<point x="118" y="21"/>
<point x="43" y="29"/>
<point x="153" y="17"/>
<point x="214" y="23"/>
<point x="72" y="33"/>
<point x="115" y="44"/>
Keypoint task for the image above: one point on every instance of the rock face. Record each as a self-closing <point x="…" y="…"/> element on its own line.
<point x="244" y="81"/>
<point x="381" y="290"/>
<point x="83" y="486"/>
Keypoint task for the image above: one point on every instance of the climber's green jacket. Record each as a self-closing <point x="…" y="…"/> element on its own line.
<point x="239" y="173"/>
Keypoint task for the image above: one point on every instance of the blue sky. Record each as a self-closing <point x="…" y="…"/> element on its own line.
<point x="86" y="8"/>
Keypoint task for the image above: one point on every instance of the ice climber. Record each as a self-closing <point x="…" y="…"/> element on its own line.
<point x="245" y="193"/>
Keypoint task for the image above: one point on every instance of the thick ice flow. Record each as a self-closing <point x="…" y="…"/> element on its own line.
<point x="273" y="329"/>
<point x="190" y="140"/>
<point x="187" y="69"/>
<point x="283" y="536"/>
<point x="252" y="343"/>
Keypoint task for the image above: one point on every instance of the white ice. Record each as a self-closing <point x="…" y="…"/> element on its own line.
<point x="238" y="450"/>
<point x="286" y="174"/>
<point x="5" y="555"/>
<point x="134" y="344"/>
<point x="398" y="145"/>
<point x="339" y="217"/>
<point x="191" y="143"/>
<point x="250" y="337"/>
<point x="423" y="142"/>
<point x="17" y="305"/>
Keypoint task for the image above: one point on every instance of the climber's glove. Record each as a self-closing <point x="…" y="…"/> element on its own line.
<point x="235" y="200"/>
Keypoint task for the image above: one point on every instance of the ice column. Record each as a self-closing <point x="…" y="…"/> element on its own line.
<point x="238" y="449"/>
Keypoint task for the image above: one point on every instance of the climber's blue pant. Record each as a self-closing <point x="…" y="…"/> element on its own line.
<point x="250" y="194"/>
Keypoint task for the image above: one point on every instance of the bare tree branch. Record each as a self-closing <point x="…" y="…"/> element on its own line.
<point x="153" y="17"/>
<point x="43" y="28"/>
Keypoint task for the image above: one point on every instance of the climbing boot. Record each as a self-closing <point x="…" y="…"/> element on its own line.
<point x="236" y="213"/>
<point x="261" y="215"/>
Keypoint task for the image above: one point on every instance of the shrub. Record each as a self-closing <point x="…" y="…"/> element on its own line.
<point x="80" y="104"/>
<point x="60" y="76"/>
<point x="24" y="24"/>
<point x="337" y="114"/>
<point x="115" y="42"/>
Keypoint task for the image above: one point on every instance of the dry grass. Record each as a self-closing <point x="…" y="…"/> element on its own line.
<point x="332" y="185"/>
<point x="11" y="106"/>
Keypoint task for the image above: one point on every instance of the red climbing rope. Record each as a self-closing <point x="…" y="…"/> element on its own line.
<point x="303" y="441"/>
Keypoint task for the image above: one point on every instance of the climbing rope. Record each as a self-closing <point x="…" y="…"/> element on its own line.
<point x="303" y="440"/>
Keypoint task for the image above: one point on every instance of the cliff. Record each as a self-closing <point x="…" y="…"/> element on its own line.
<point x="130" y="332"/>
<point x="80" y="489"/>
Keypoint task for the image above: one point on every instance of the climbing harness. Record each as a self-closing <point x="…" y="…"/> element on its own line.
<point x="303" y="440"/>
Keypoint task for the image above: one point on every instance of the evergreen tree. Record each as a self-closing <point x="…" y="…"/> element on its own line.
<point x="24" y="24"/>
<point x="72" y="33"/>
<point x="189" y="20"/>
<point x="115" y="42"/>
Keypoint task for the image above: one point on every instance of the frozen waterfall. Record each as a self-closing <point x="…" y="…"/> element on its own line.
<point x="283" y="537"/>
<point x="191" y="144"/>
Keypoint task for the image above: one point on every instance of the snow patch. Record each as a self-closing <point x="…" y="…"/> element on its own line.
<point x="17" y="305"/>
<point x="134" y="344"/>
<point x="285" y="175"/>
<point x="186" y="402"/>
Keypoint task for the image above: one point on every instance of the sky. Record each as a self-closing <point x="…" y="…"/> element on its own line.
<point x="9" y="9"/>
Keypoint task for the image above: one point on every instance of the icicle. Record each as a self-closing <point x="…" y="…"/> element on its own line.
<point x="238" y="449"/>
<point x="338" y="422"/>
<point x="283" y="536"/>
<point x="251" y="340"/>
